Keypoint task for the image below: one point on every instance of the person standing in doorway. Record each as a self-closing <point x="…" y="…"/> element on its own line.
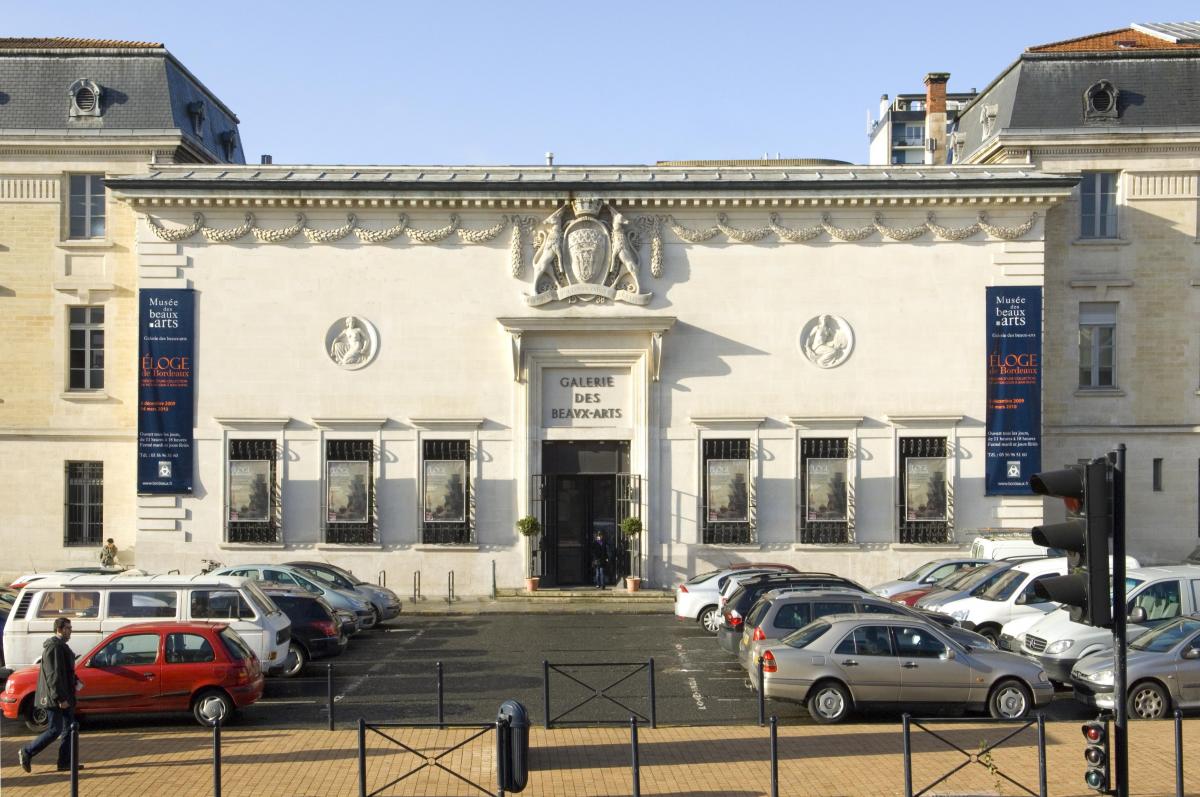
<point x="56" y="694"/>
<point x="599" y="560"/>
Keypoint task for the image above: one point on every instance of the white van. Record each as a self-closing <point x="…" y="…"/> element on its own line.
<point x="1153" y="596"/>
<point x="98" y="605"/>
<point x="1005" y="546"/>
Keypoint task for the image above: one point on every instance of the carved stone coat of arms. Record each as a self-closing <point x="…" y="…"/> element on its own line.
<point x="586" y="252"/>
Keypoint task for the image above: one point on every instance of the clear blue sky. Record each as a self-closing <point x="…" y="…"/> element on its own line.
<point x="612" y="82"/>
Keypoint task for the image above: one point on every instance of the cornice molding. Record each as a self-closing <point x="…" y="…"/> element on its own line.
<point x="727" y="422"/>
<point x="258" y="424"/>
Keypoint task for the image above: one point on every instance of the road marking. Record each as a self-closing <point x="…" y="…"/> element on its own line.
<point x="274" y="702"/>
<point x="682" y="655"/>
<point x="380" y="664"/>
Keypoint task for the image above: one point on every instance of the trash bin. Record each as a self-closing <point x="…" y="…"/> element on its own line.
<point x="514" y="772"/>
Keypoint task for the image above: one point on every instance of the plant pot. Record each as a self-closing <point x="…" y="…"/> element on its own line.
<point x="531" y="583"/>
<point x="633" y="583"/>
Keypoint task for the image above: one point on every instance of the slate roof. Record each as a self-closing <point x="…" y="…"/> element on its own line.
<point x="144" y="89"/>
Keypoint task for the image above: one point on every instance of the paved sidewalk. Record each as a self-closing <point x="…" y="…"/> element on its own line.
<point x="589" y="762"/>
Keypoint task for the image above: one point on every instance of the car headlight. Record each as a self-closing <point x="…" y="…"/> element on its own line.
<point x="1059" y="646"/>
<point x="10" y="685"/>
<point x="960" y="614"/>
<point x="1042" y="677"/>
<point x="1103" y="677"/>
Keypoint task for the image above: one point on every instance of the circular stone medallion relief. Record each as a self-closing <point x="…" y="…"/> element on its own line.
<point x="352" y="342"/>
<point x="827" y="340"/>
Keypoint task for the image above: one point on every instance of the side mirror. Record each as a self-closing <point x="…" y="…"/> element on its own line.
<point x="1191" y="654"/>
<point x="1138" y="615"/>
<point x="1023" y="599"/>
<point x="948" y="655"/>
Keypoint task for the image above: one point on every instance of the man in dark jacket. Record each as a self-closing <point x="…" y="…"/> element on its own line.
<point x="56" y="694"/>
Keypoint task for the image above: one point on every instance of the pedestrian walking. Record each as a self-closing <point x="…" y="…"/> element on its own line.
<point x="56" y="694"/>
<point x="599" y="560"/>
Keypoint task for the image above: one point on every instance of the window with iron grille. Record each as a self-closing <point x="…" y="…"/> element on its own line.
<point x="349" y="492"/>
<point x="86" y="335"/>
<point x="926" y="502"/>
<point x="727" y="510"/>
<point x="252" y="515"/>
<point x="826" y="506"/>
<point x="85" y="503"/>
<point x="447" y="501"/>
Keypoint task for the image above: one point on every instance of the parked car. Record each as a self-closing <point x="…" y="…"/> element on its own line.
<point x="316" y="632"/>
<point x="729" y="635"/>
<point x="781" y="612"/>
<point x="697" y="598"/>
<point x="204" y="668"/>
<point x="295" y="577"/>
<point x="1162" y="668"/>
<point x="928" y="574"/>
<point x="964" y="584"/>
<point x="843" y="662"/>
<point x="385" y="602"/>
<point x="1154" y="596"/>
<point x="1012" y="633"/>
<point x="1004" y="545"/>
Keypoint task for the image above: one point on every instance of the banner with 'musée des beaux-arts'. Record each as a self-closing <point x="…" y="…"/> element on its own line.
<point x="166" y="390"/>
<point x="1014" y="389"/>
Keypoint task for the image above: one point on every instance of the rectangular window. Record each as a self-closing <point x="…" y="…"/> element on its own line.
<point x="86" y="357"/>
<point x="349" y="492"/>
<point x="925" y="506"/>
<point x="142" y="603"/>
<point x="1156" y="474"/>
<point x="85" y="503"/>
<point x="1098" y="205"/>
<point x="252" y="514"/>
<point x="219" y="604"/>
<point x="86" y="205"/>
<point x="446" y="499"/>
<point x="825" y="515"/>
<point x="69" y="603"/>
<point x="1097" y="344"/>
<point x="727" y="513"/>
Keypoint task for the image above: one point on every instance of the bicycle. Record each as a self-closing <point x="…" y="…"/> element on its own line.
<point x="210" y="565"/>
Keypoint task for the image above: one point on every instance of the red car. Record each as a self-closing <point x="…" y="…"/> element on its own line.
<point x="204" y="668"/>
<point x="911" y="596"/>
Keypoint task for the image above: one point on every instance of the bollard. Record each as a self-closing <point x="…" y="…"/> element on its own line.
<point x="774" y="756"/>
<point x="653" y="708"/>
<point x="217" y="757"/>
<point x="546" y="691"/>
<point x="382" y="578"/>
<point x="329" y="691"/>
<point x="907" y="757"/>
<point x="74" y="742"/>
<point x="441" y="712"/>
<point x="450" y="588"/>
<point x="1042" y="755"/>
<point x="1179" y="753"/>
<point x="637" y="777"/>
<point x="762" y="695"/>
<point x="416" y="585"/>
<point x="362" y="757"/>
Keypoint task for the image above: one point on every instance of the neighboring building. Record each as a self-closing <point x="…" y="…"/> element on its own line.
<point x="74" y="113"/>
<point x="1120" y="110"/>
<point x="766" y="360"/>
<point x="912" y="128"/>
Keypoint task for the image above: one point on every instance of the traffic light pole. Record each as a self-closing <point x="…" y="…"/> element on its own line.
<point x="1120" y="703"/>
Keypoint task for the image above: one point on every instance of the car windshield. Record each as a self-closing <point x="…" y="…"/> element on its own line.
<point x="1166" y="637"/>
<point x="805" y="636"/>
<point x="1004" y="586"/>
<point x="920" y="572"/>
<point x="701" y="577"/>
<point x="757" y="611"/>
<point x="261" y="600"/>
<point x="333" y="579"/>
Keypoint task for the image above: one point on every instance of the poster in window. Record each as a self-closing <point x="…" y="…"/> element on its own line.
<point x="249" y="490"/>
<point x="925" y="489"/>
<point x="728" y="490"/>
<point x="825" y="489"/>
<point x="445" y="491"/>
<point x="348" y="485"/>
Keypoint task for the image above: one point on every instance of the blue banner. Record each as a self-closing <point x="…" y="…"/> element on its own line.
<point x="1014" y="389"/>
<point x="166" y="390"/>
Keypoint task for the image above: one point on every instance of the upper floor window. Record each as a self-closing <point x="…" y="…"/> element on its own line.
<point x="86" y="98"/>
<point x="86" y="362"/>
<point x="86" y="205"/>
<point x="1098" y="205"/>
<point x="1097" y="335"/>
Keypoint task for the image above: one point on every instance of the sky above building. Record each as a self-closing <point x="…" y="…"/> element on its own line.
<point x="594" y="83"/>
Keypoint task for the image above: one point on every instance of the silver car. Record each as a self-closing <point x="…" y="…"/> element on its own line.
<point x="295" y="577"/>
<point x="840" y="662"/>
<point x="385" y="602"/>
<point x="1162" y="666"/>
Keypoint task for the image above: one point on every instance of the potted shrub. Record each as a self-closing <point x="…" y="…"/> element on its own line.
<point x="631" y="528"/>
<point x="529" y="526"/>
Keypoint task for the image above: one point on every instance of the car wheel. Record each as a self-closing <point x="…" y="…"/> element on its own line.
<point x="1010" y="700"/>
<point x="829" y="703"/>
<point x="371" y="619"/>
<point x="36" y="718"/>
<point x="376" y="616"/>
<point x="991" y="632"/>
<point x="211" y="704"/>
<point x="1148" y="701"/>
<point x="295" y="660"/>
<point x="710" y="619"/>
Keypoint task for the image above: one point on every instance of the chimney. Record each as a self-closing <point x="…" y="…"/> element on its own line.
<point x="266" y="160"/>
<point x="935" y="117"/>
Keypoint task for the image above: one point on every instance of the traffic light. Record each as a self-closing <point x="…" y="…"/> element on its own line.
<point x="1087" y="491"/>
<point x="1095" y="733"/>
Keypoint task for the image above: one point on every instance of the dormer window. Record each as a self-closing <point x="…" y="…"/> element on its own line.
<point x="229" y="143"/>
<point x="85" y="98"/>
<point x="1100" y="102"/>
<point x="196" y="112"/>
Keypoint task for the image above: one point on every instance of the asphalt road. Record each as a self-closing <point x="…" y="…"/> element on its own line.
<point x="390" y="674"/>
